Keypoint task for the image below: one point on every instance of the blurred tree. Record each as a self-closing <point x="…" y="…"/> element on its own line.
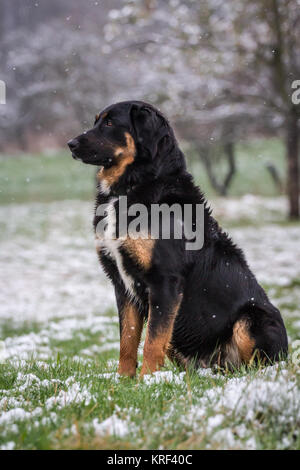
<point x="211" y="155"/>
<point x="55" y="67"/>
<point x="273" y="63"/>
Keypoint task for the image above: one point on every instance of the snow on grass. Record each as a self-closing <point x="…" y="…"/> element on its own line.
<point x="49" y="264"/>
<point x="111" y="426"/>
<point x="269" y="400"/>
<point x="112" y="376"/>
<point x="272" y="252"/>
<point x="116" y="426"/>
<point x="58" y="321"/>
<point x="17" y="414"/>
<point x="75" y="394"/>
<point x="249" y="397"/>
<point x="38" y="344"/>
<point x="164" y="376"/>
<point x="232" y="416"/>
<point x="251" y="208"/>
<point x="8" y="446"/>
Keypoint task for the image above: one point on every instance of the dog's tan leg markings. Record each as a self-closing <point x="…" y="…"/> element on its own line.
<point x="131" y="325"/>
<point x="243" y="340"/>
<point x="157" y="345"/>
<point x="140" y="250"/>
<point x="125" y="156"/>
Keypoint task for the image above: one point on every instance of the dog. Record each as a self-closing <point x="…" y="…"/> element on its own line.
<point x="203" y="307"/>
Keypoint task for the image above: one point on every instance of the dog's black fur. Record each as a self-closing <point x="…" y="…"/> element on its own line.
<point x="204" y="306"/>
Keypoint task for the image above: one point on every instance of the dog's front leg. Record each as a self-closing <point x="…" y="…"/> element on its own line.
<point x="164" y="303"/>
<point x="131" y="326"/>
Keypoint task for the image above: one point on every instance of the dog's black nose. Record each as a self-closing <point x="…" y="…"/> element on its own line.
<point x="73" y="144"/>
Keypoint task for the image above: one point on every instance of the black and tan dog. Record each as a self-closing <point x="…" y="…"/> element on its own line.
<point x="202" y="306"/>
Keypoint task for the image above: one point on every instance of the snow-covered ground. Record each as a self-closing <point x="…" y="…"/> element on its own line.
<point x="49" y="267"/>
<point x="50" y="278"/>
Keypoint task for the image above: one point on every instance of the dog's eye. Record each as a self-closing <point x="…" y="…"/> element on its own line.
<point x="108" y="122"/>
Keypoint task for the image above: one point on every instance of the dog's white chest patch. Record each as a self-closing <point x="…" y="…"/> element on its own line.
<point x="104" y="187"/>
<point x="107" y="240"/>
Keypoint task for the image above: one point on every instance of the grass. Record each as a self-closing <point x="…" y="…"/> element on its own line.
<point x="64" y="401"/>
<point x="26" y="178"/>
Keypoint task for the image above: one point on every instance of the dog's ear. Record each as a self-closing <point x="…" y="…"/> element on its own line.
<point x="147" y="126"/>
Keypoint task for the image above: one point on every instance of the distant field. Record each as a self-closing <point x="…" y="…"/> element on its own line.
<point x="45" y="178"/>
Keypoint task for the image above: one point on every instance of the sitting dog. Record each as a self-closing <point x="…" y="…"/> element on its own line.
<point x="202" y="306"/>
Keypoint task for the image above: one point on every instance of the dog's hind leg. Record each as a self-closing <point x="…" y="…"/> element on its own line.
<point x="258" y="336"/>
<point x="269" y="332"/>
<point x="240" y="349"/>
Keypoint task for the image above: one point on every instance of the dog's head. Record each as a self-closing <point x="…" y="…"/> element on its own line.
<point x="125" y="136"/>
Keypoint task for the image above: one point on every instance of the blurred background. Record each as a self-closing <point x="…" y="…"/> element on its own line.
<point x="227" y="75"/>
<point x="221" y="71"/>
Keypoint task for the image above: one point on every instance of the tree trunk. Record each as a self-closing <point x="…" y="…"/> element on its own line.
<point x="292" y="149"/>
<point x="221" y="187"/>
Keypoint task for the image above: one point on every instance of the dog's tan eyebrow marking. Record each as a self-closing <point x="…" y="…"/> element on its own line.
<point x="100" y="116"/>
